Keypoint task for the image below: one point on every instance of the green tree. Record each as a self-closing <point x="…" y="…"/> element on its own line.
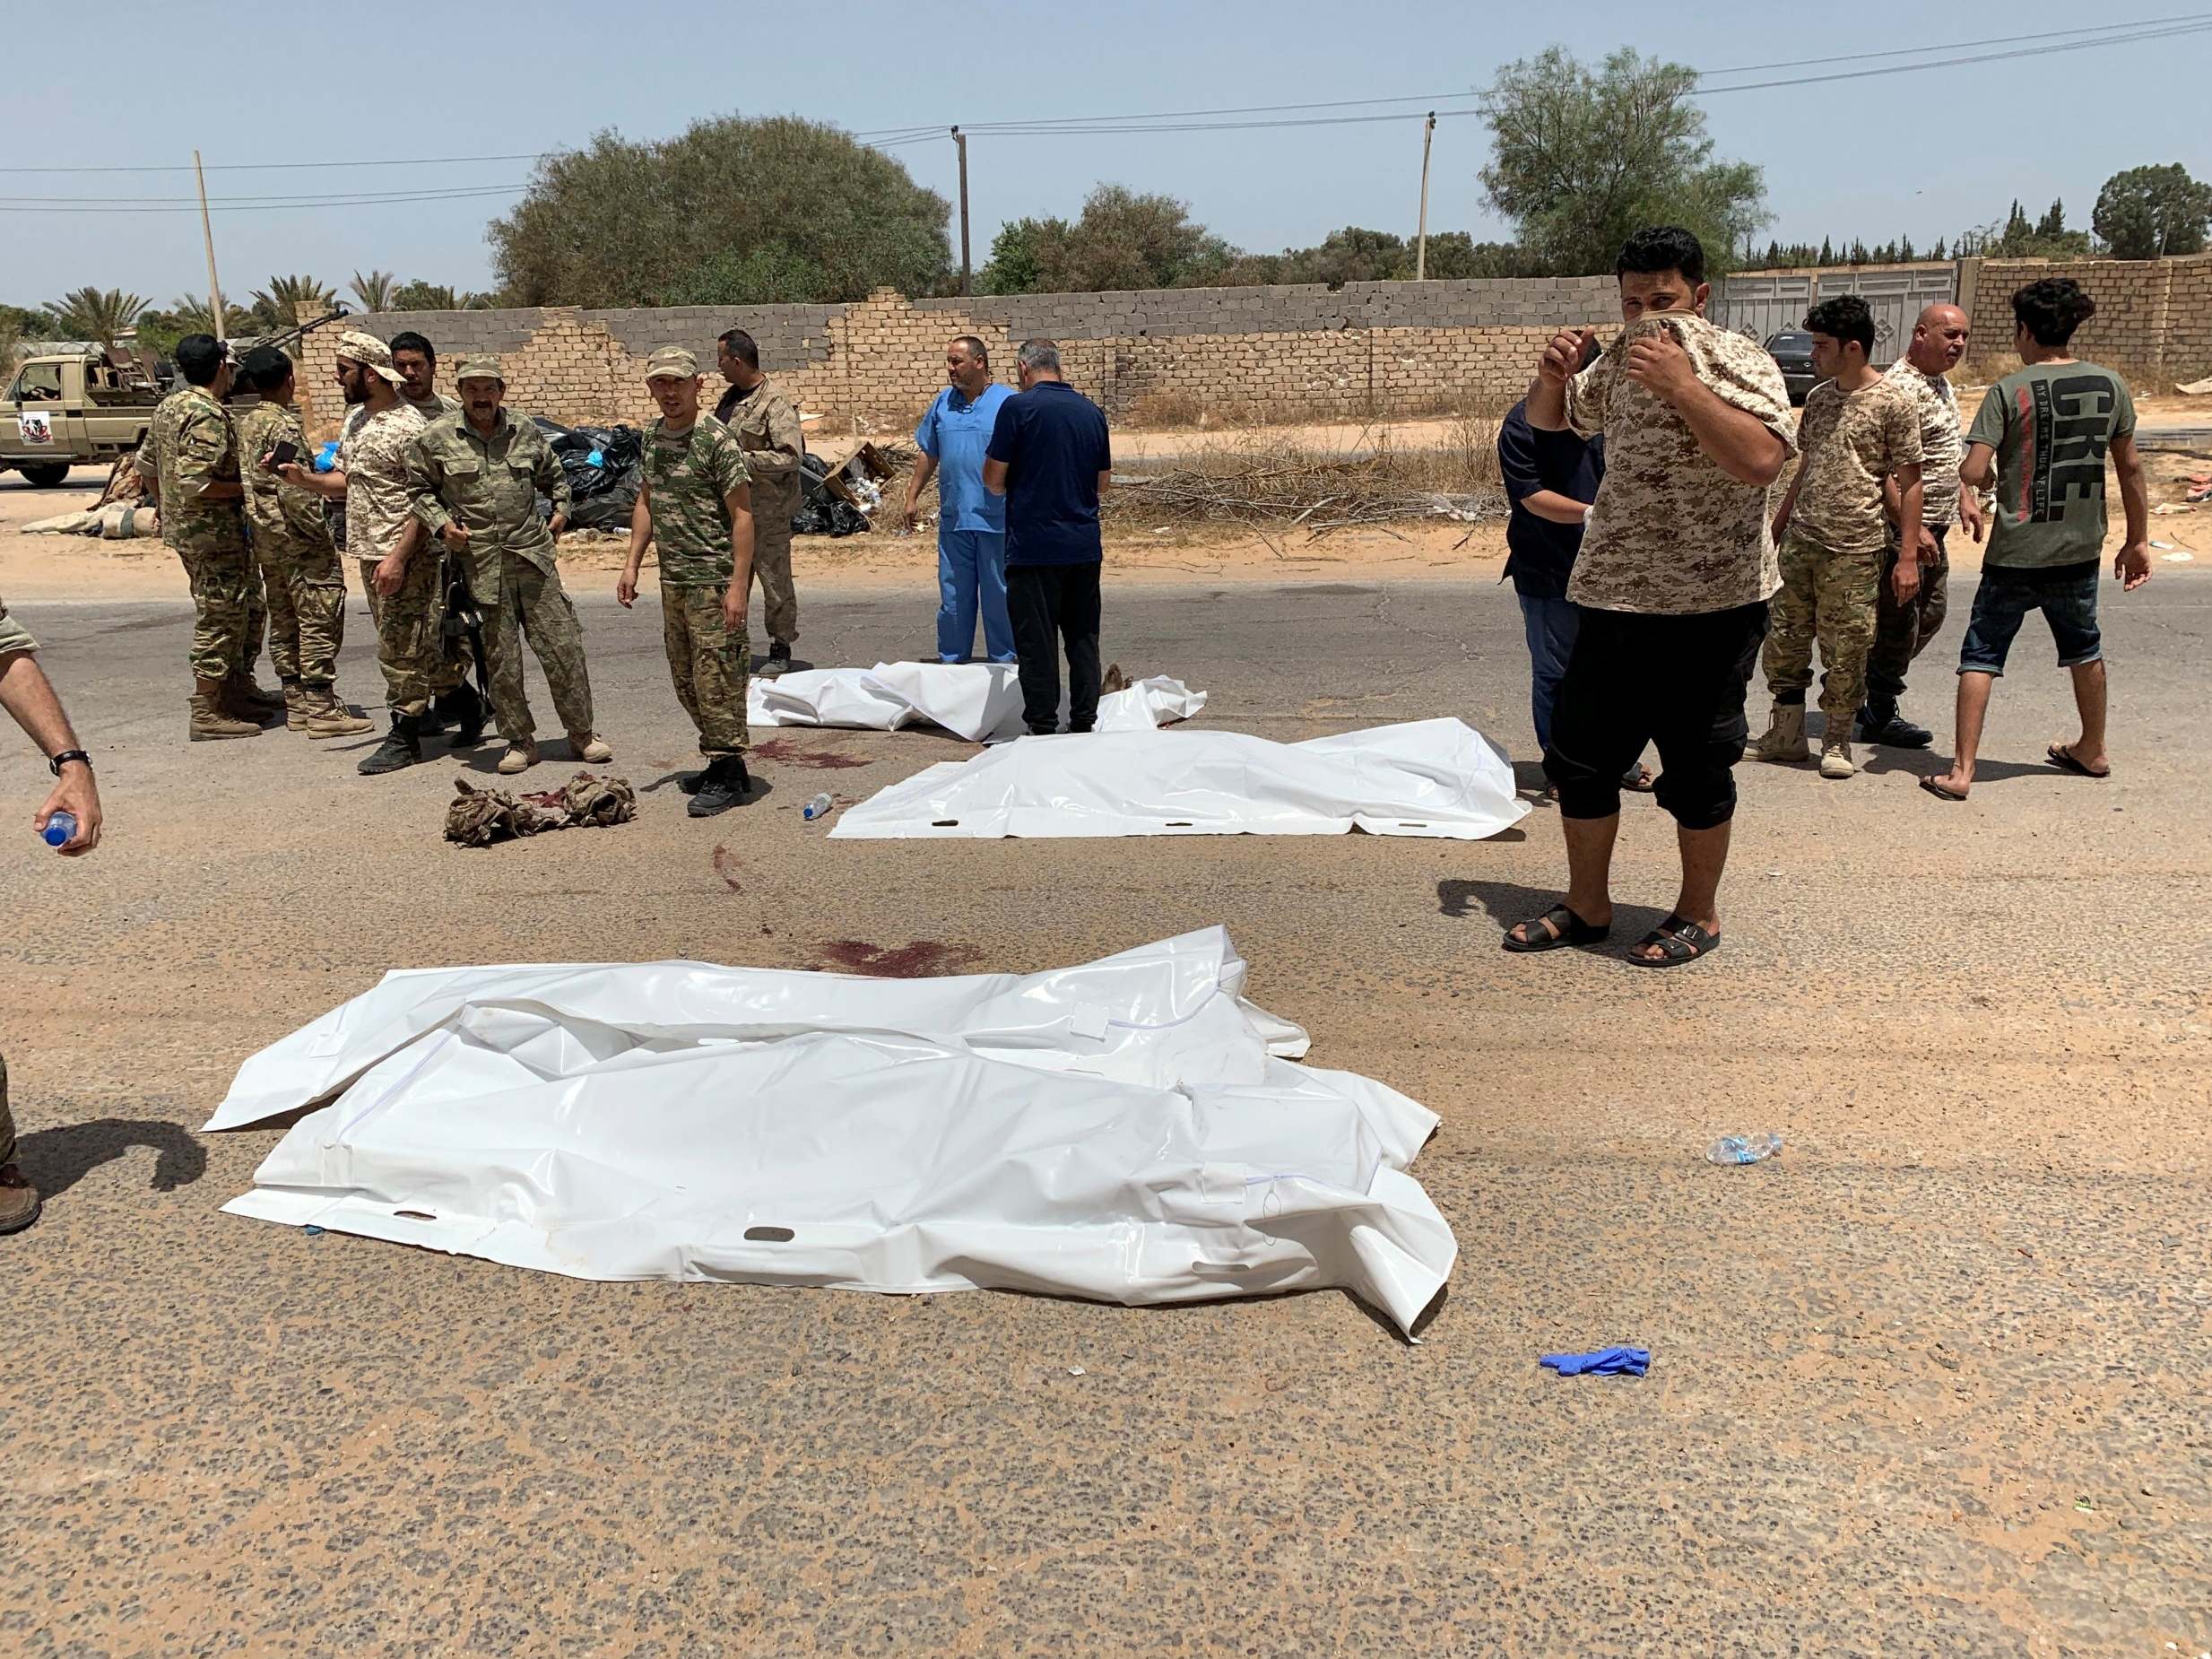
<point x="2044" y="239"/>
<point x="98" y="315"/>
<point x="732" y="200"/>
<point x="2149" y="212"/>
<point x="374" y="291"/>
<point x="274" y="310"/>
<point x="1128" y="239"/>
<point x="1020" y="253"/>
<point x="1581" y="159"/>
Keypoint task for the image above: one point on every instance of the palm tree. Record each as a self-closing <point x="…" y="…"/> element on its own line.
<point x="276" y="308"/>
<point x="421" y="296"/>
<point x="375" y="290"/>
<point x="91" y="313"/>
<point x="194" y="315"/>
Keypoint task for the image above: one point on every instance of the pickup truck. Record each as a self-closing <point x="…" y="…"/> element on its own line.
<point x="72" y="408"/>
<point x="88" y="406"/>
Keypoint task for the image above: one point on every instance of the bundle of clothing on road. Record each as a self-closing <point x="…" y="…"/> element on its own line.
<point x="480" y="817"/>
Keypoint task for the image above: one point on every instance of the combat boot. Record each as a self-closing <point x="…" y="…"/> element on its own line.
<point x="19" y="1200"/>
<point x="1783" y="741"/>
<point x="401" y="747"/>
<point x="326" y="716"/>
<point x="1835" y="760"/>
<point x="247" y="693"/>
<point x="722" y="786"/>
<point x="779" y="660"/>
<point x="211" y="720"/>
<point x="1879" y="721"/>
<point x="520" y="757"/>
<point x="465" y="711"/>
<point x="591" y="748"/>
<point x="295" y="706"/>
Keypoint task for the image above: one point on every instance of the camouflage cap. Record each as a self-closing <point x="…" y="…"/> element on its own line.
<point x="672" y="362"/>
<point x="370" y="353"/>
<point x="485" y="367"/>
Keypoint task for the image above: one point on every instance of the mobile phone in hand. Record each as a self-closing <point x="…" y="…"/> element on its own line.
<point x="284" y="454"/>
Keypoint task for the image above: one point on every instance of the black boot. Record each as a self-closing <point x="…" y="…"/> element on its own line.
<point x="720" y="788"/>
<point x="401" y="747"/>
<point x="1880" y="722"/>
<point x="779" y="660"/>
<point x="465" y="711"/>
<point x="690" y="782"/>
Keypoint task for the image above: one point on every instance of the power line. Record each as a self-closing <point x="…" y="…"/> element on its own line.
<point x="1954" y="46"/>
<point x="253" y="167"/>
<point x="1952" y="63"/>
<point x="310" y="200"/>
<point x="303" y="205"/>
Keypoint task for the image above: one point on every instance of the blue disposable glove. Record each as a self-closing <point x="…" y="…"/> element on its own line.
<point x="1602" y="1362"/>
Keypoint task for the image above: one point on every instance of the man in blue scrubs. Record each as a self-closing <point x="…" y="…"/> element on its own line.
<point x="971" y="521"/>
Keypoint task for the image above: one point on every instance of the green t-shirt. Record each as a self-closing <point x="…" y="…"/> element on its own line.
<point x="2051" y="425"/>
<point x="689" y="477"/>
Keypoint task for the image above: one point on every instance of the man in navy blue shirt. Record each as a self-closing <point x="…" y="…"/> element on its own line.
<point x="971" y="521"/>
<point x="1050" y="458"/>
<point x="1550" y="478"/>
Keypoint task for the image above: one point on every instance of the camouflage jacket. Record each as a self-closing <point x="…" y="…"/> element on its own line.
<point x="688" y="479"/>
<point x="490" y="487"/>
<point x="373" y="457"/>
<point x="433" y="406"/>
<point x="766" y="429"/>
<point x="1941" y="446"/>
<point x="278" y="511"/>
<point x="190" y="445"/>
<point x="1670" y="533"/>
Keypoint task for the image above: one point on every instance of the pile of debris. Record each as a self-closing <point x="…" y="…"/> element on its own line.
<point x="479" y="817"/>
<point x="843" y="501"/>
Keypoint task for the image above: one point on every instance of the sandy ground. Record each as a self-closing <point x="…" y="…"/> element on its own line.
<point x="1932" y="1381"/>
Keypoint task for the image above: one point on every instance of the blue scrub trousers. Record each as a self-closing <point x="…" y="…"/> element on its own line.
<point x="1550" y="625"/>
<point x="971" y="574"/>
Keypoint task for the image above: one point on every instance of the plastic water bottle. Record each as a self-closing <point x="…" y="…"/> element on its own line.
<point x="818" y="806"/>
<point x="1743" y="1148"/>
<point x="59" y="829"/>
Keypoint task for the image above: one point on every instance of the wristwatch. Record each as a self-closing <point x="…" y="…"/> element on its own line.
<point x="58" y="762"/>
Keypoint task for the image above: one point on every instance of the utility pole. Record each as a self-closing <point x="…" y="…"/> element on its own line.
<point x="207" y="231"/>
<point x="1421" y="243"/>
<point x="960" y="139"/>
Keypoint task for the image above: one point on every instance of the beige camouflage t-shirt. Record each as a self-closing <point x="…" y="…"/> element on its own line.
<point x="373" y="457"/>
<point x="1941" y="448"/>
<point x="1852" y="441"/>
<point x="1670" y="533"/>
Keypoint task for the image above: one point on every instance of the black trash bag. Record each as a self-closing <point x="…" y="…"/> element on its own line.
<point x="821" y="511"/>
<point x="608" y="507"/>
<point x="596" y="458"/>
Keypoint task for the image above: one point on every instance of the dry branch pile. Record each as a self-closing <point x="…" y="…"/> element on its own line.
<point x="1264" y="485"/>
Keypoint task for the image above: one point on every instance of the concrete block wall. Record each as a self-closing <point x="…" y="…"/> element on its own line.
<point x="2152" y="314"/>
<point x="1369" y="348"/>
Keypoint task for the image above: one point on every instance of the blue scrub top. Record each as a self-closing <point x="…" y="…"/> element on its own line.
<point x="954" y="434"/>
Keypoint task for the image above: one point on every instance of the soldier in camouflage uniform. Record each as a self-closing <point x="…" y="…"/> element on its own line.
<point x="28" y="696"/>
<point x="474" y="476"/>
<point x="371" y="475"/>
<point x="416" y="358"/>
<point x="697" y="505"/>
<point x="190" y="466"/>
<point x="292" y="545"/>
<point x="766" y="429"/>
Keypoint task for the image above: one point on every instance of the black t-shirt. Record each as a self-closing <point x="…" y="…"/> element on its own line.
<point x="1052" y="440"/>
<point x="1540" y="553"/>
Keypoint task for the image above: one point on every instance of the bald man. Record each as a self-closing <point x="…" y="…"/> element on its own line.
<point x="1903" y="626"/>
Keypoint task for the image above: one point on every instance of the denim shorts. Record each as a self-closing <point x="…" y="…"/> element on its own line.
<point x="2066" y="596"/>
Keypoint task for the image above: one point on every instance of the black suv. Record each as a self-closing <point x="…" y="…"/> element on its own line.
<point x="1792" y="351"/>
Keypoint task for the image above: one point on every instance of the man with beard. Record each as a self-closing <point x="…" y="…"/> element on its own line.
<point x="416" y="358"/>
<point x="383" y="532"/>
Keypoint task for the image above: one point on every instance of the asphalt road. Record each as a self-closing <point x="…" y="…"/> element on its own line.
<point x="1931" y="1381"/>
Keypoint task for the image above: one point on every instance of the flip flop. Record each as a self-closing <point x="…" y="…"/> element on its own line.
<point x="2063" y="758"/>
<point x="1638" y="780"/>
<point x="1680" y="941"/>
<point x="1545" y="935"/>
<point x="1936" y="789"/>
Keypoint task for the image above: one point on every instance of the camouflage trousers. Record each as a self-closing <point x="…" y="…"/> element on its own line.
<point x="226" y="595"/>
<point x="533" y="605"/>
<point x="306" y="607"/>
<point x="1826" y="597"/>
<point x="771" y="569"/>
<point x="710" y="664"/>
<point x="449" y="670"/>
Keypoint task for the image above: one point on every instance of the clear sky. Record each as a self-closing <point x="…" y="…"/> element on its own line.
<point x="1925" y="154"/>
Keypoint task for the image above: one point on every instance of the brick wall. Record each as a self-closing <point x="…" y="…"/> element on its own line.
<point x="2152" y="314"/>
<point x="1368" y="348"/>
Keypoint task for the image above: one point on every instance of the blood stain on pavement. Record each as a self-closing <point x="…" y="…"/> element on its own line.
<point x="919" y="958"/>
<point x="821" y="760"/>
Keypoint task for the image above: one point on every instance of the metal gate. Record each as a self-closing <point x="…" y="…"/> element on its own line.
<point x="1757" y="306"/>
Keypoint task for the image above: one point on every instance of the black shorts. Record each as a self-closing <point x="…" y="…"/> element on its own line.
<point x="1677" y="682"/>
